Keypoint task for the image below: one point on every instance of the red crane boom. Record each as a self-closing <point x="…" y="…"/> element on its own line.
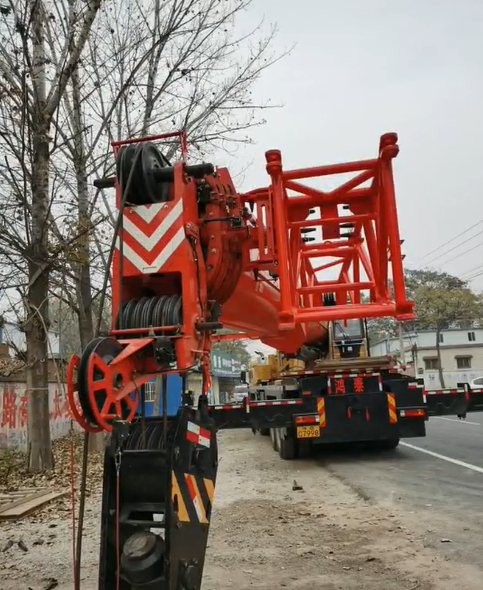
<point x="192" y="255"/>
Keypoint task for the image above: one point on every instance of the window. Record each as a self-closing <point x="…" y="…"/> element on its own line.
<point x="471" y="336"/>
<point x="463" y="362"/>
<point x="431" y="364"/>
<point x="150" y="391"/>
<point x="440" y="338"/>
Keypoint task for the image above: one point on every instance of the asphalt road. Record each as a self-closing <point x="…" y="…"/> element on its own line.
<point x="435" y="483"/>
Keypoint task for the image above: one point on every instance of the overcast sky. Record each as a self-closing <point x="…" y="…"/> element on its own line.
<point x="364" y="67"/>
<point x="361" y="68"/>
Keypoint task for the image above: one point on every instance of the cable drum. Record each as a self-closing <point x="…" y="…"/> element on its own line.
<point x="146" y="312"/>
<point x="149" y="436"/>
<point x="146" y="187"/>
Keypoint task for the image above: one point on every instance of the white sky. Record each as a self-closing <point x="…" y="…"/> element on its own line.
<point x="361" y="68"/>
<point x="364" y="67"/>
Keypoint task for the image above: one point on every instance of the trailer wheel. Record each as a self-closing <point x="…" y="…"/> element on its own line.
<point x="304" y="449"/>
<point x="273" y="436"/>
<point x="287" y="448"/>
<point x="389" y="445"/>
<point x="384" y="445"/>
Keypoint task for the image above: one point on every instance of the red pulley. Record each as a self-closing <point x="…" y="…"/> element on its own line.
<point x="104" y="383"/>
<point x="72" y="396"/>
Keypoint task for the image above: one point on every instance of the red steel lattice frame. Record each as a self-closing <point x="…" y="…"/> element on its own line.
<point x="373" y="247"/>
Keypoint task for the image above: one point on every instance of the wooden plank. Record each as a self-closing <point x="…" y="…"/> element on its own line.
<point x="16" y="499"/>
<point x="22" y="507"/>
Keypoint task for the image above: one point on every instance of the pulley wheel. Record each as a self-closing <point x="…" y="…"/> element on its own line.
<point x="73" y="398"/>
<point x="144" y="187"/>
<point x="138" y="312"/>
<point x="146" y="318"/>
<point x="125" y="315"/>
<point x="128" y="314"/>
<point x="99" y="384"/>
<point x="157" y="317"/>
<point x="119" y="315"/>
<point x="172" y="311"/>
<point x="152" y="161"/>
<point x="129" y="158"/>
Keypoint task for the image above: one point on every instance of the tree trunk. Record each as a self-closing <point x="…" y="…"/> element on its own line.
<point x="440" y="366"/>
<point x="37" y="313"/>
<point x="84" y="283"/>
<point x="38" y="419"/>
<point x="37" y="305"/>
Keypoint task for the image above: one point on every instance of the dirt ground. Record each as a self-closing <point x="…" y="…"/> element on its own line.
<point x="263" y="535"/>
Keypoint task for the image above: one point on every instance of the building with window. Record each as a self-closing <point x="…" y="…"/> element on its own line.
<point x="11" y="334"/>
<point x="225" y="374"/>
<point x="461" y="354"/>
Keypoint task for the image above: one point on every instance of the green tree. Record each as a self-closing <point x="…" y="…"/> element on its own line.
<point x="416" y="278"/>
<point x="438" y="308"/>
<point x="415" y="281"/>
<point x="237" y="348"/>
<point x="379" y="328"/>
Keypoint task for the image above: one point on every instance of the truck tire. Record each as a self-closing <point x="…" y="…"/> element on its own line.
<point x="384" y="445"/>
<point x="286" y="448"/>
<point x="304" y="449"/>
<point x="274" y="437"/>
<point x="389" y="445"/>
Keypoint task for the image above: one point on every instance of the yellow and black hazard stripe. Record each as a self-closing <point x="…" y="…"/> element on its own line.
<point x="321" y="411"/>
<point x="192" y="497"/>
<point x="391" y="406"/>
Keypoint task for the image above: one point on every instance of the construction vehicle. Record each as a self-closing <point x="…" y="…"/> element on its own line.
<point x="361" y="401"/>
<point x="192" y="256"/>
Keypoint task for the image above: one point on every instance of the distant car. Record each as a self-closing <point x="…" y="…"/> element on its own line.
<point x="240" y="392"/>
<point x="477" y="383"/>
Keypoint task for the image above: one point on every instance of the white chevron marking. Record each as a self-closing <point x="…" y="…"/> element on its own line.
<point x="148" y="212"/>
<point x="148" y="242"/>
<point x="160" y="259"/>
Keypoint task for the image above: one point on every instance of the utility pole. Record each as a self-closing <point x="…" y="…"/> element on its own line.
<point x="402" y="356"/>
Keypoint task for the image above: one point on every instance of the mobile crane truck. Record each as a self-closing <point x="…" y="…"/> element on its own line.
<point x="364" y="399"/>
<point x="190" y="256"/>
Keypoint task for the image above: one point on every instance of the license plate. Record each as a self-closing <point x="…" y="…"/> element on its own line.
<point x="308" y="431"/>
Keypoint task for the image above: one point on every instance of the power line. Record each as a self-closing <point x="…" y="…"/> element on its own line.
<point x="463" y="253"/>
<point x="472" y="270"/>
<point x="475" y="276"/>
<point x="454" y="247"/>
<point x="452" y="239"/>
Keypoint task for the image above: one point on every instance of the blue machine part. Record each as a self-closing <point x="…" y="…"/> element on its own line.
<point x="173" y="396"/>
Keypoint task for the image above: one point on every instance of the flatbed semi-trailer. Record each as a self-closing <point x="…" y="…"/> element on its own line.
<point x="376" y="407"/>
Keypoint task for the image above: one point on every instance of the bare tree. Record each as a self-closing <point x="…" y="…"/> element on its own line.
<point x="142" y="66"/>
<point x="152" y="65"/>
<point x="155" y="65"/>
<point x="40" y="48"/>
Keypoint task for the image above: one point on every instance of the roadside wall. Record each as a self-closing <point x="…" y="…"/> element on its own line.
<point x="13" y="414"/>
<point x="451" y="378"/>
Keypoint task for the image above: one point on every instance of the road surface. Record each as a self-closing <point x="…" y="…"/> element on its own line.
<point x="435" y="482"/>
<point x="360" y="523"/>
